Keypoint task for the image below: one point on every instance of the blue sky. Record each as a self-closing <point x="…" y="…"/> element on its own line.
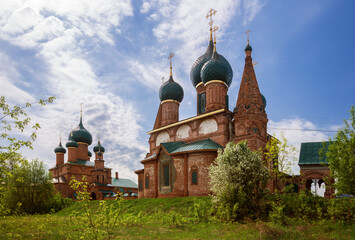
<point x="111" y="56"/>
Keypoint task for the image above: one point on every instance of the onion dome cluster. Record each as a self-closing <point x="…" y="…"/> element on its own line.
<point x="80" y="134"/>
<point x="171" y="90"/>
<point x="211" y="66"/>
<point x="60" y="149"/>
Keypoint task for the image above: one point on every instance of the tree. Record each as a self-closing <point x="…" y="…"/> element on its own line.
<point x="238" y="180"/>
<point x="28" y="189"/>
<point x="14" y="119"/>
<point x="279" y="156"/>
<point x="341" y="156"/>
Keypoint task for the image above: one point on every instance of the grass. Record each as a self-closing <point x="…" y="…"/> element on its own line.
<point x="171" y="218"/>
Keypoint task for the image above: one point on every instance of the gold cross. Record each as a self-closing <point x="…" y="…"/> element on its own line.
<point x="214" y="30"/>
<point x="247" y="32"/>
<point x="171" y="55"/>
<point x="81" y="109"/>
<point x="209" y="15"/>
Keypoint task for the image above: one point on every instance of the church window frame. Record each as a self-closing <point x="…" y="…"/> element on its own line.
<point x="201" y="103"/>
<point x="140" y="187"/>
<point x="166" y="175"/>
<point x="147" y="182"/>
<point x="194" y="175"/>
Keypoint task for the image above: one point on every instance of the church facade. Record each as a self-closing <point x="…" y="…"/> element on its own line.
<point x="101" y="184"/>
<point x="181" y="151"/>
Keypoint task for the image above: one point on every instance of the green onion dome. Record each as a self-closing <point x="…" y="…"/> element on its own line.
<point x="248" y="48"/>
<point x="171" y="90"/>
<point x="99" y="148"/>
<point x="89" y="154"/>
<point x="264" y="100"/>
<point x="198" y="64"/>
<point x="217" y="68"/>
<point x="60" y="149"/>
<point x="71" y="142"/>
<point x="80" y="134"/>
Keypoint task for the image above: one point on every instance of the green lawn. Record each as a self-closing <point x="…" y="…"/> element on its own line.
<point x="173" y="218"/>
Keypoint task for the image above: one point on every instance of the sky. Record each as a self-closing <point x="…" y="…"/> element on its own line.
<point x="111" y="56"/>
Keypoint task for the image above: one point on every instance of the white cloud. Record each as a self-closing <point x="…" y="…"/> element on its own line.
<point x="60" y="34"/>
<point x="251" y="9"/>
<point x="145" y="7"/>
<point x="10" y="79"/>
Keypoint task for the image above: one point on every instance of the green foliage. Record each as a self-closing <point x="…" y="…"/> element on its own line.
<point x="152" y="219"/>
<point x="341" y="156"/>
<point x="280" y="156"/>
<point x="14" y="120"/>
<point x="28" y="190"/>
<point x="238" y="179"/>
<point x="95" y="225"/>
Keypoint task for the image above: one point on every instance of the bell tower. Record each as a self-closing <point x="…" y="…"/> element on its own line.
<point x="250" y="118"/>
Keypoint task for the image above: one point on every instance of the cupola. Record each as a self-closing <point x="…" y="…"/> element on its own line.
<point x="60" y="148"/>
<point x="80" y="134"/>
<point x="171" y="90"/>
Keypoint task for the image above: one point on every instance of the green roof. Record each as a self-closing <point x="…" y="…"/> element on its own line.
<point x="309" y="153"/>
<point x="122" y="182"/>
<point x="177" y="147"/>
<point x="83" y="162"/>
<point x="172" y="146"/>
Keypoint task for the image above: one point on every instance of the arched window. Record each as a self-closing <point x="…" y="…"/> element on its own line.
<point x="140" y="185"/>
<point x="97" y="178"/>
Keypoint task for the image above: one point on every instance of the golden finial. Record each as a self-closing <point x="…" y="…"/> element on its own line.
<point x="247" y="32"/>
<point x="171" y="55"/>
<point x="215" y="28"/>
<point x="60" y="138"/>
<point x="81" y="110"/>
<point x="209" y="15"/>
<point x="254" y="63"/>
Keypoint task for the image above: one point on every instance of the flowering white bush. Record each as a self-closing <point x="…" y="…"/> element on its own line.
<point x="238" y="180"/>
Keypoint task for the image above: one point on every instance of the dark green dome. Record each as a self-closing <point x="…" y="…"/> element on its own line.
<point x="89" y="154"/>
<point x="171" y="90"/>
<point x="71" y="142"/>
<point x="248" y="48"/>
<point x="217" y="68"/>
<point x="98" y="148"/>
<point x="80" y="134"/>
<point x="264" y="100"/>
<point x="198" y="64"/>
<point x="60" y="149"/>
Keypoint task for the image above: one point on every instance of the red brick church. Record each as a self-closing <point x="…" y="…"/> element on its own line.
<point x="181" y="151"/>
<point x="101" y="184"/>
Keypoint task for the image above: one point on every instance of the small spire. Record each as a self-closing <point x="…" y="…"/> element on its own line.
<point x="209" y="15"/>
<point x="60" y="138"/>
<point x="215" y="28"/>
<point x="171" y="55"/>
<point x="247" y="32"/>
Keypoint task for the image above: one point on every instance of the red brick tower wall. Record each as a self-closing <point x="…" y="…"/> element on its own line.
<point x="82" y="152"/>
<point x="216" y="92"/>
<point x="99" y="164"/>
<point x="170" y="112"/>
<point x="59" y="159"/>
<point x="97" y="156"/>
<point x="72" y="154"/>
<point x="250" y="119"/>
